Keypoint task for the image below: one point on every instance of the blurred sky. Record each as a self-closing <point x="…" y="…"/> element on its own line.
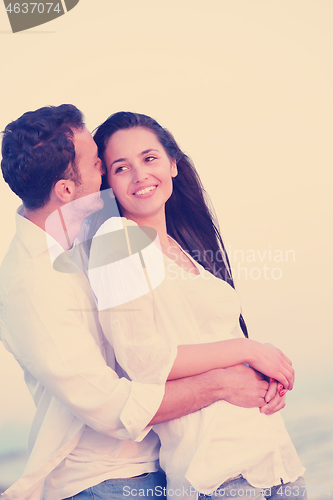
<point x="246" y="87"/>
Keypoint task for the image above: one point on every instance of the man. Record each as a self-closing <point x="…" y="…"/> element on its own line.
<point x="91" y="426"/>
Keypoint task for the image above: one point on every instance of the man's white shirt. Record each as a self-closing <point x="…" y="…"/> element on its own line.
<point x="49" y="321"/>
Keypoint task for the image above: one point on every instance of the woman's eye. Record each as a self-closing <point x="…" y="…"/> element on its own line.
<point x="120" y="169"/>
<point x="150" y="158"/>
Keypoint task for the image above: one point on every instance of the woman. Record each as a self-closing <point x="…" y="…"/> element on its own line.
<point x="188" y="324"/>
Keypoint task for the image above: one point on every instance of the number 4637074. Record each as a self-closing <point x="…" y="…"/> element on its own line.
<point x="30" y="8"/>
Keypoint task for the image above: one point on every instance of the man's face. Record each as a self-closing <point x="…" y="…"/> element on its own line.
<point x="89" y="167"/>
<point x="64" y="223"/>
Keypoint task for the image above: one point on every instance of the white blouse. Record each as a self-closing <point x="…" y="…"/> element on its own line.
<point x="207" y="447"/>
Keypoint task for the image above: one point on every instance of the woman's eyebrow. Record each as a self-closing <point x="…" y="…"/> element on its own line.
<point x="148" y="151"/>
<point x="117" y="161"/>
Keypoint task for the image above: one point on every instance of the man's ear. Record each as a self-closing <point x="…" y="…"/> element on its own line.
<point x="64" y="190"/>
<point x="174" y="169"/>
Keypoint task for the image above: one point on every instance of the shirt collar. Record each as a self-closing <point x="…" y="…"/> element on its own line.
<point x="33" y="237"/>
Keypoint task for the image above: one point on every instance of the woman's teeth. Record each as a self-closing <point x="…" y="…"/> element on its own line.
<point x="146" y="190"/>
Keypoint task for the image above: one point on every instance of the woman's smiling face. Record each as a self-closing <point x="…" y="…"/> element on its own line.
<point x="139" y="172"/>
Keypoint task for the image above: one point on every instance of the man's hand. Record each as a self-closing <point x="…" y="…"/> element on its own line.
<point x="269" y="397"/>
<point x="244" y="387"/>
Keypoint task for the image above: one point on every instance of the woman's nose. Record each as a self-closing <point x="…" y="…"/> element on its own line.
<point x="139" y="174"/>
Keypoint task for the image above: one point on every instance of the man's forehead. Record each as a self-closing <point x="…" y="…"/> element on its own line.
<point x="80" y="132"/>
<point x="84" y="142"/>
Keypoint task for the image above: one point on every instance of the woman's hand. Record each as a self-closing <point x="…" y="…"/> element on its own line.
<point x="270" y="361"/>
<point x="275" y="398"/>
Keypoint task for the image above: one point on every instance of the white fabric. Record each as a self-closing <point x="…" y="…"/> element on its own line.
<point x="124" y="279"/>
<point x="49" y="322"/>
<point x="207" y="447"/>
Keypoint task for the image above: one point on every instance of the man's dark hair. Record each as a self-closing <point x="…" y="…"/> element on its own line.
<point x="38" y="151"/>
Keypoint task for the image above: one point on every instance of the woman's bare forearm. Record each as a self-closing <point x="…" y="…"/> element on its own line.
<point x="193" y="359"/>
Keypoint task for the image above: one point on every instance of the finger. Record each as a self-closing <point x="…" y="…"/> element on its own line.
<point x="292" y="379"/>
<point x="287" y="359"/>
<point x="279" y="406"/>
<point x="261" y="403"/>
<point x="289" y="372"/>
<point x="271" y="391"/>
<point x="276" y="404"/>
<point x="280" y="388"/>
<point x="261" y="394"/>
<point x="283" y="380"/>
<point x="263" y="388"/>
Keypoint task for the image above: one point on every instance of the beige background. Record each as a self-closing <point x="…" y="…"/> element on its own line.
<point x="246" y="87"/>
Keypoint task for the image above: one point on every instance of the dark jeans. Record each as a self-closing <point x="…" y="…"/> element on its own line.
<point x="151" y="485"/>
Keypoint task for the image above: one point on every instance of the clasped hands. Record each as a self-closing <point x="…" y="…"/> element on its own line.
<point x="249" y="388"/>
<point x="282" y="370"/>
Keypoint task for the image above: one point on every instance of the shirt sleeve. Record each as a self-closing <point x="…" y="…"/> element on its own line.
<point x="52" y="329"/>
